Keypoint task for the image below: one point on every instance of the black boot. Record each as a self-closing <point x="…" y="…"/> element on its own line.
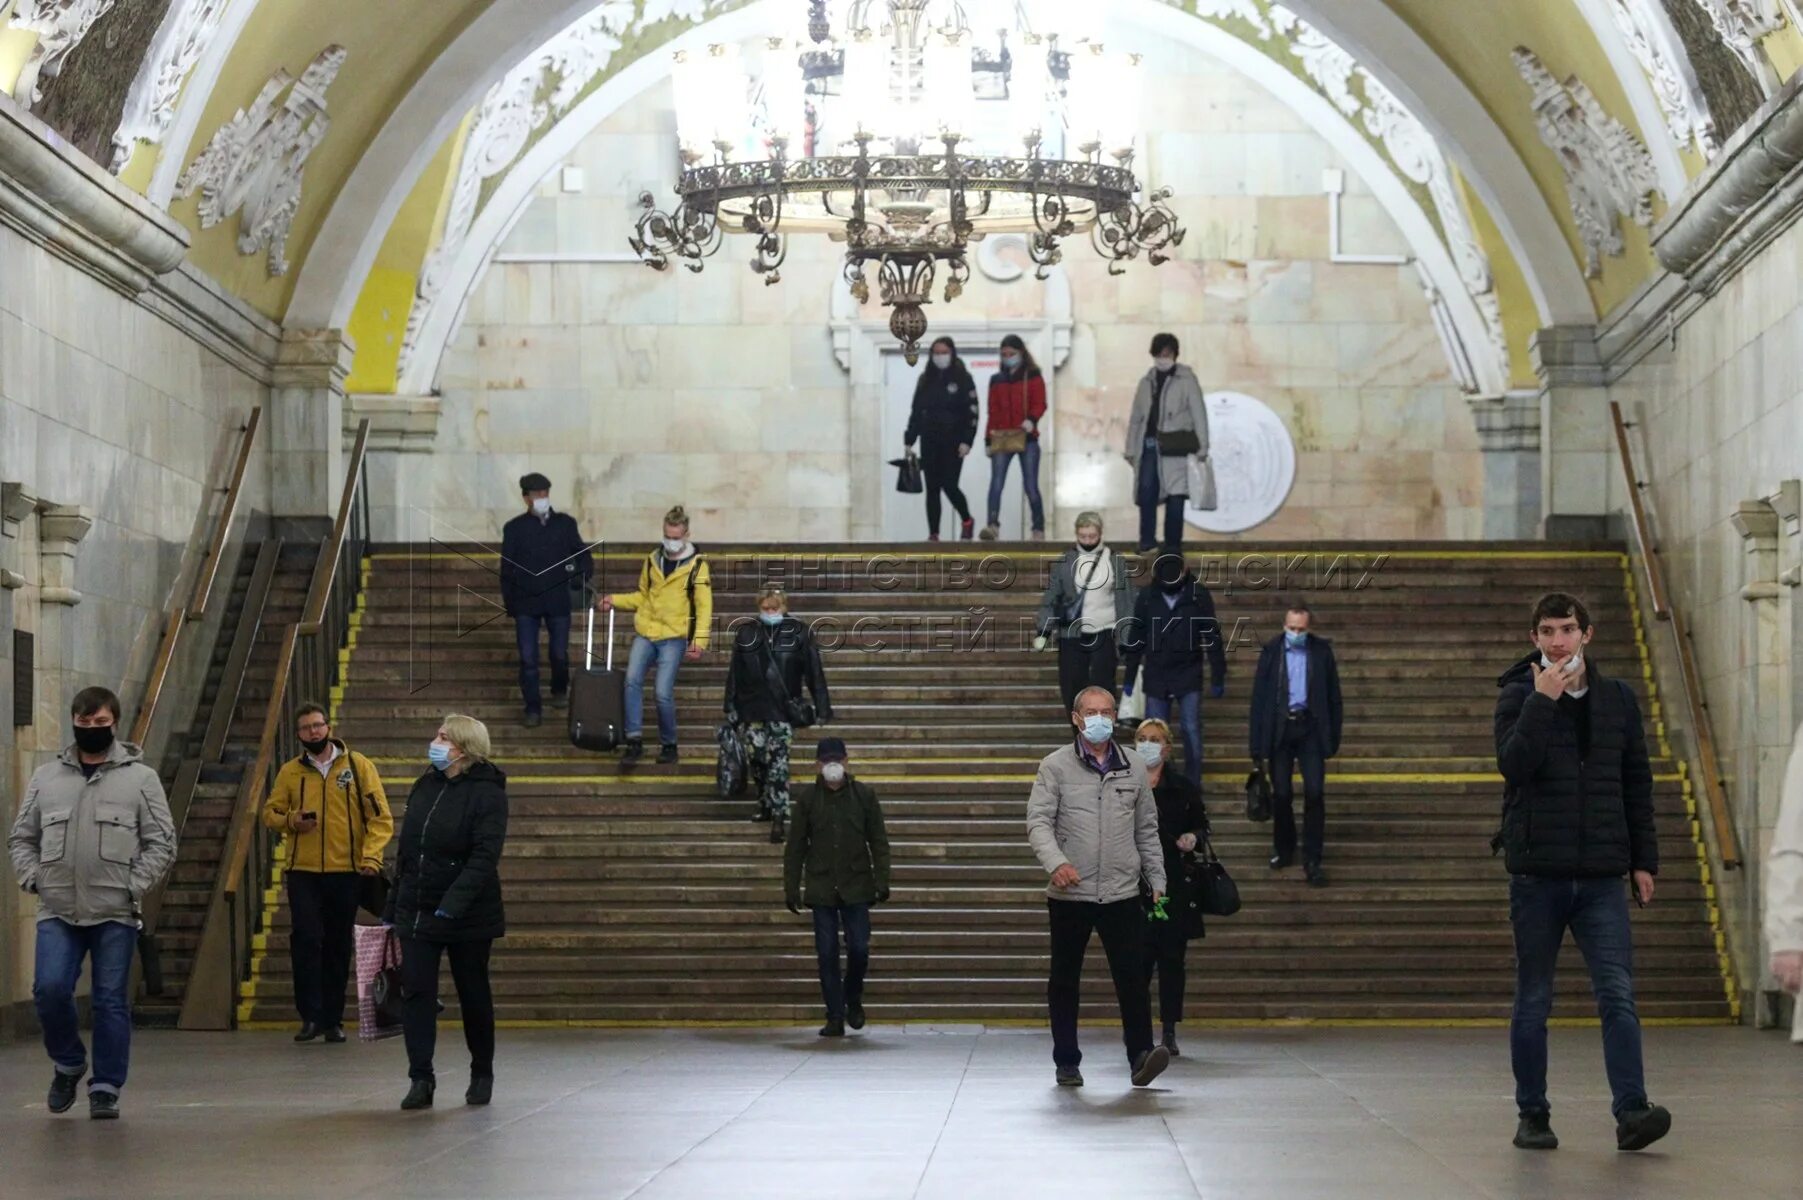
<point x="308" y="1032"/>
<point x="854" y="1016"/>
<point x="779" y="828"/>
<point x="419" y="1095"/>
<point x="667" y="754"/>
<point x="834" y="1027"/>
<point x="635" y="750"/>
<point x="482" y="1090"/>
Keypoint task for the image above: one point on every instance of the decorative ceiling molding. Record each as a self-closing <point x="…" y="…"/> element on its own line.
<point x="1647" y="31"/>
<point x="184" y="36"/>
<point x="1742" y="25"/>
<point x="255" y="162"/>
<point x="1608" y="173"/>
<point x="60" y="26"/>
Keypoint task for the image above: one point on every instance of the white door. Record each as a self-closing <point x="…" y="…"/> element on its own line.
<point x="905" y="516"/>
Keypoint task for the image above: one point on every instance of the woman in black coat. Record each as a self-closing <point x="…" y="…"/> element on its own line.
<point x="944" y="420"/>
<point x="446" y="902"/>
<point x="772" y="661"/>
<point x="1182" y="823"/>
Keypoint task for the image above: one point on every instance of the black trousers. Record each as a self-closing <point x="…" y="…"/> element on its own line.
<point x="324" y="908"/>
<point x="941" y="470"/>
<point x="1087" y="660"/>
<point x="1293" y="750"/>
<point x="1165" y="948"/>
<point x="419" y="1002"/>
<point x="1123" y="929"/>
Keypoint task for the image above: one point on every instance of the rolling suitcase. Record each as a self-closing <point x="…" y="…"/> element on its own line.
<point x="597" y="698"/>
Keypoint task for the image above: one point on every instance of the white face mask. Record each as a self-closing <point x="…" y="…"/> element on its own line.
<point x="674" y="545"/>
<point x="541" y="506"/>
<point x="1165" y="364"/>
<point x="942" y="361"/>
<point x="833" y="772"/>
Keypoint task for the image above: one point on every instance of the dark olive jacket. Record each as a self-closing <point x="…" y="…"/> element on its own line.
<point x="838" y="851"/>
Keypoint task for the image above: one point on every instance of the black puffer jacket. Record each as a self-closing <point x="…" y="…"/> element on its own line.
<point x="1564" y="815"/>
<point x="944" y="415"/>
<point x="450" y="856"/>
<point x="797" y="659"/>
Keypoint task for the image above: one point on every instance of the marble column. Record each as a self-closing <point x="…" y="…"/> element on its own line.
<point x="1580" y="479"/>
<point x="1508" y="430"/>
<point x="306" y="428"/>
<point x="15" y="506"/>
<point x="400" y="500"/>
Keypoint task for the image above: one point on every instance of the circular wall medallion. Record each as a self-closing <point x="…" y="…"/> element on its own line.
<point x="1254" y="463"/>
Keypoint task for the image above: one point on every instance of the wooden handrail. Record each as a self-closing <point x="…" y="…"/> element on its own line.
<point x="159" y="674"/>
<point x="209" y="567"/>
<point x="314" y="612"/>
<point x="257" y="781"/>
<point x="1689" y="677"/>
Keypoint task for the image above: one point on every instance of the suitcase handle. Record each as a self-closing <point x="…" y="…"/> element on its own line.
<point x="588" y="654"/>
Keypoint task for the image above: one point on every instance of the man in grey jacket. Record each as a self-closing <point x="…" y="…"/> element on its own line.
<point x="1086" y="598"/>
<point x="93" y="836"/>
<point x="1094" y="825"/>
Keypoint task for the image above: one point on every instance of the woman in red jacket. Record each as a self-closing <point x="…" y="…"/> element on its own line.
<point x="1016" y="405"/>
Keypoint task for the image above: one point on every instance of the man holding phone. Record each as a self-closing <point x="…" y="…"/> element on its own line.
<point x="1577" y="817"/>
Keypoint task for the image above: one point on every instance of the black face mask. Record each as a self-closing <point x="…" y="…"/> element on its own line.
<point x="316" y="748"/>
<point x="93" y="739"/>
<point x="1172" y="585"/>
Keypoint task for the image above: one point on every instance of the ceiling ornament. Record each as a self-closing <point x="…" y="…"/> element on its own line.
<point x="254" y="164"/>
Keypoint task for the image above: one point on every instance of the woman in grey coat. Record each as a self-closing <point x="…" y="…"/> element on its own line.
<point x="1169" y="425"/>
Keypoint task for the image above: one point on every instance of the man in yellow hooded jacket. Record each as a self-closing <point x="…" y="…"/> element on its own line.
<point x="673" y="608"/>
<point x="330" y="803"/>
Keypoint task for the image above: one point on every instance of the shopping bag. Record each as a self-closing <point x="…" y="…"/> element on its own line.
<point x="1202" y="496"/>
<point x="378" y="982"/>
<point x="734" y="764"/>
<point x="1132" y="709"/>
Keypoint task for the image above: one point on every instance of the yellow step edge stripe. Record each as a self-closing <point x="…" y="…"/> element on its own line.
<point x="1037" y="1023"/>
<point x="400" y="785"/>
<point x="1052" y="555"/>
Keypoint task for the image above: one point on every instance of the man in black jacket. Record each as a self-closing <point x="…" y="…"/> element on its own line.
<point x="1175" y="632"/>
<point x="542" y="554"/>
<point x="1295" y="722"/>
<point x="1577" y="817"/>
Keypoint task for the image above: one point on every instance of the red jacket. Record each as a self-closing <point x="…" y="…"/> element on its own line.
<point x="1012" y="401"/>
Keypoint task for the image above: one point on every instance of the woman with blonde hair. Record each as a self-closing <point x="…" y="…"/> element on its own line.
<point x="1182" y="824"/>
<point x="772" y="661"/>
<point x="446" y="901"/>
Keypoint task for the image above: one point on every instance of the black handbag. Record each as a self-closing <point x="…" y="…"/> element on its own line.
<point x="1216" y="893"/>
<point x="801" y="713"/>
<point x="1258" y="793"/>
<point x="909" y="479"/>
<point x="385" y="988"/>
<point x="1179" y="442"/>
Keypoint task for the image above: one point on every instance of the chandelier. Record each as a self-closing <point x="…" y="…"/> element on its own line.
<point x="907" y="134"/>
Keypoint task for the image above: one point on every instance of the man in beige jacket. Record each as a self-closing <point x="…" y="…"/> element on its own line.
<point x="1784" y="880"/>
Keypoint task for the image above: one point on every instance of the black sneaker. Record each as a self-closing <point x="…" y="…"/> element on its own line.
<point x="560" y="699"/>
<point x="1150" y="1065"/>
<point x="667" y="755"/>
<point x="534" y="720"/>
<point x="103" y="1106"/>
<point x="1536" y="1132"/>
<point x="1070" y="1077"/>
<point x="1317" y="878"/>
<point x="419" y="1095"/>
<point x="1280" y="861"/>
<point x="854" y="1016"/>
<point x="308" y="1032"/>
<point x="834" y="1027"/>
<point x="62" y="1091"/>
<point x="481" y="1090"/>
<point x="335" y="1035"/>
<point x="635" y="750"/>
<point x="1639" y="1128"/>
<point x="1170" y="1040"/>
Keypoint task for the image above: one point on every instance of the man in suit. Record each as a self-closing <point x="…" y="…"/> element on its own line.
<point x="1295" y="723"/>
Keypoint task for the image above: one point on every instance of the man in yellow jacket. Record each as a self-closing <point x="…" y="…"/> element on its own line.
<point x="330" y="803"/>
<point x="673" y="607"/>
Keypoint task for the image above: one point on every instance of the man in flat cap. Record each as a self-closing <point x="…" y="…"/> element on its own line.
<point x="542" y="555"/>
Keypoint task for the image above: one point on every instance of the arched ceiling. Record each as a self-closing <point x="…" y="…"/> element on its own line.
<point x="346" y="178"/>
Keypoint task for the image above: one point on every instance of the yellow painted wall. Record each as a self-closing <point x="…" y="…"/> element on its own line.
<point x="379" y="320"/>
<point x="1476" y="40"/>
<point x="1520" y="316"/>
<point x="389" y="45"/>
<point x="1786" y="50"/>
<point x="15" y="48"/>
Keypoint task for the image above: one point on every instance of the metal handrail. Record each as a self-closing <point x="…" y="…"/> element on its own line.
<point x="349" y="505"/>
<point x="1689" y="676"/>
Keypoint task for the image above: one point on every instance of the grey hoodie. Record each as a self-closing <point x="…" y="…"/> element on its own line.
<point x="1104" y="823"/>
<point x="92" y="847"/>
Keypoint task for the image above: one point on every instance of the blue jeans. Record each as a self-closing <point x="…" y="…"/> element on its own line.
<point x="1029" y="477"/>
<point x="1596" y="912"/>
<point x="1189" y="705"/>
<point x="61" y="947"/>
<point x="526" y="630"/>
<point x="668" y="652"/>
<point x="1146" y="490"/>
<point x="840" y="991"/>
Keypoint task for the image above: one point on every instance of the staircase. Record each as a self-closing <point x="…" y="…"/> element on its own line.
<point x="216" y="784"/>
<point x="645" y="898"/>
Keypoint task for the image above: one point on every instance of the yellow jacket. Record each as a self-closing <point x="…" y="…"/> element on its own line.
<point x="661" y="604"/>
<point x="355" y="821"/>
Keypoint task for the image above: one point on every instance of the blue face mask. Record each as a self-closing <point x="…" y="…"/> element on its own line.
<point x="1097" y="729"/>
<point x="774" y="618"/>
<point x="1150" y="753"/>
<point x="1295" y="641"/>
<point x="439" y="754"/>
<point x="1011" y="361"/>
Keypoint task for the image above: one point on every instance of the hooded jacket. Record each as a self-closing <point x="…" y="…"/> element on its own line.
<point x="791" y="651"/>
<point x="355" y="823"/>
<point x="93" y="847"/>
<point x="673" y="600"/>
<point x="1569" y="815"/>
<point x="450" y="856"/>
<point x="1102" y="821"/>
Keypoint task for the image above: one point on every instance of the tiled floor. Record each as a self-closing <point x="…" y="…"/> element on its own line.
<point x="1286" y="1114"/>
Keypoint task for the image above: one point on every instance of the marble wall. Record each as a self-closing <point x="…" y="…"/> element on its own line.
<point x="109" y="409"/>
<point x="1720" y="425"/>
<point x="634" y="390"/>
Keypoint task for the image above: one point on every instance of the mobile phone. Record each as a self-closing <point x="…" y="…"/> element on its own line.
<point x="309" y="816"/>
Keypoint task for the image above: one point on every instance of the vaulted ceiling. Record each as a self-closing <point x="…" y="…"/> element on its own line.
<point x="314" y="150"/>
